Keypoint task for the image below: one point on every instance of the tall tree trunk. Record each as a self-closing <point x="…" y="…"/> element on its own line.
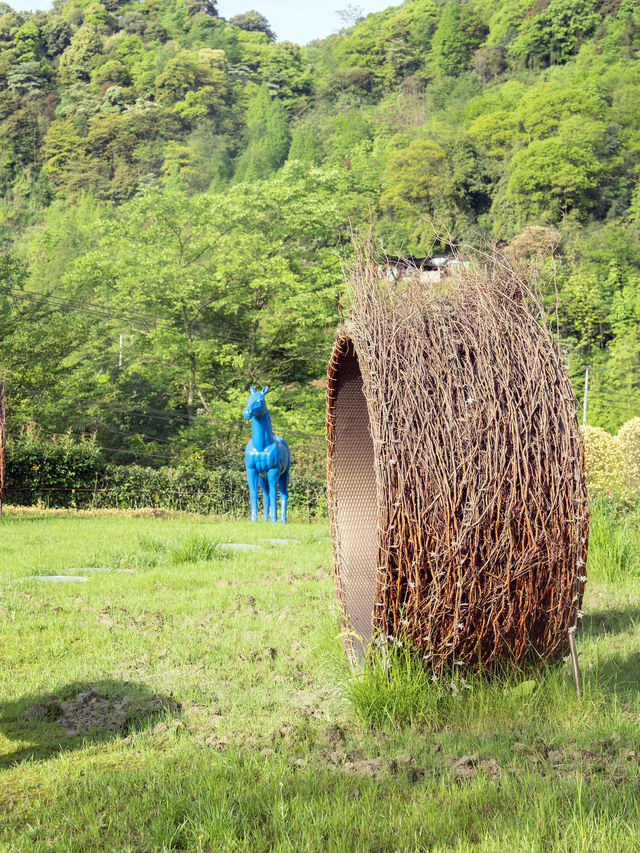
<point x="191" y="388"/>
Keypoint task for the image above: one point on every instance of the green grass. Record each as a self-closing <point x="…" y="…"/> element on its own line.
<point x="396" y="690"/>
<point x="231" y="722"/>
<point x="614" y="543"/>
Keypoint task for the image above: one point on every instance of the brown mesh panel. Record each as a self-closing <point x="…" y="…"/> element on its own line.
<point x="354" y="498"/>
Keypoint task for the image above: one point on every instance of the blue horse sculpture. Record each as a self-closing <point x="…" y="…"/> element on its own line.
<point x="266" y="460"/>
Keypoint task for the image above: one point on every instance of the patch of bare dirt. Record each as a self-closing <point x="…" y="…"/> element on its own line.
<point x="371" y="768"/>
<point x="91" y="709"/>
<point x="287" y="613"/>
<point x="335" y="736"/>
<point x="606" y="757"/>
<point x="218" y="742"/>
<point x="148" y="622"/>
<point x="468" y="766"/>
<point x="172" y="727"/>
<point x="320" y="573"/>
<point x="285" y="731"/>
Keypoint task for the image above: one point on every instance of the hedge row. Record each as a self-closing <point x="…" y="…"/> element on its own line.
<point x="66" y="472"/>
<point x="63" y="472"/>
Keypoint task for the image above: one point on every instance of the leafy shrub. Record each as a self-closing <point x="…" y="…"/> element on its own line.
<point x="64" y="471"/>
<point x="612" y="462"/>
<point x="629" y="442"/>
<point x="55" y="470"/>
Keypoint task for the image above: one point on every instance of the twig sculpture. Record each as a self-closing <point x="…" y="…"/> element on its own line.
<point x="456" y="489"/>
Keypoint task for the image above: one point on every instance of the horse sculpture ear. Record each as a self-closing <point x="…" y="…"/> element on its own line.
<point x="264" y="390"/>
<point x="252" y="389"/>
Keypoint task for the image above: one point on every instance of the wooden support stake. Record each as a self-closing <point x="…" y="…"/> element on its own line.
<point x="574" y="659"/>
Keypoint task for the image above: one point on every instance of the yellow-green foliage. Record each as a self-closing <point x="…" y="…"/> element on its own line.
<point x="629" y="441"/>
<point x="602" y="461"/>
<point x="612" y="462"/>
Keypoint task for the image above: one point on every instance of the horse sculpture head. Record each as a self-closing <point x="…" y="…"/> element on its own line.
<point x="255" y="403"/>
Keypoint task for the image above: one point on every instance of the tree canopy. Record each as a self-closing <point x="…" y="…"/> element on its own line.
<point x="177" y="193"/>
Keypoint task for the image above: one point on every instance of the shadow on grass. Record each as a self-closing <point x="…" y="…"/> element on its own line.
<point x="620" y="674"/>
<point x="46" y="724"/>
<point x="613" y="620"/>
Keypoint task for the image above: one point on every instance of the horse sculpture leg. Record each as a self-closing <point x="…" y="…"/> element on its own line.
<point x="252" y="480"/>
<point x="284" y="494"/>
<point x="272" y="476"/>
<point x="265" y="498"/>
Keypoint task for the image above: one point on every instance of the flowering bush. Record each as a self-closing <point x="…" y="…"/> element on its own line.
<point x="612" y="462"/>
<point x="629" y="442"/>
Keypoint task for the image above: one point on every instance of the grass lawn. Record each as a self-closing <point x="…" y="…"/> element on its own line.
<point x="194" y="697"/>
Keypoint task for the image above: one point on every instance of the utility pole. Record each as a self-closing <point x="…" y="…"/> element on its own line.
<point x="586" y="391"/>
<point x="3" y="442"/>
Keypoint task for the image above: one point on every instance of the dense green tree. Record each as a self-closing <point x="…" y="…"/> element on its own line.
<point x="253" y="22"/>
<point x="555" y="33"/>
<point x="57" y="36"/>
<point x="385" y="47"/>
<point x="477" y="119"/>
<point x="77" y="59"/>
<point x="210" y="290"/>
<point x="26" y="77"/>
<point x="63" y="148"/>
<point x="268" y="137"/>
<point x="542" y="111"/>
<point x="304" y="146"/>
<point x="27" y="42"/>
<point x="39" y="344"/>
<point x="458" y="34"/>
<point x="414" y="182"/>
<point x="553" y="177"/>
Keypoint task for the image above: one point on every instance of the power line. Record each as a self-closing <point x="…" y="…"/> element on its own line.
<point x="95" y="309"/>
<point x="624" y="399"/>
<point x="213" y="421"/>
<point x="69" y="305"/>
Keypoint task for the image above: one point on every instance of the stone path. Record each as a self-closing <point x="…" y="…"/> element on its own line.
<point x="103" y="569"/>
<point x="57" y="578"/>
<point x="73" y="578"/>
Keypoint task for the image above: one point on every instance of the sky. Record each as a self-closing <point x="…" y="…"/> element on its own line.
<point x="295" y="20"/>
<point x="291" y="20"/>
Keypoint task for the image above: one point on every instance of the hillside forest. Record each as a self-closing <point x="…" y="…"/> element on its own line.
<point x="178" y="191"/>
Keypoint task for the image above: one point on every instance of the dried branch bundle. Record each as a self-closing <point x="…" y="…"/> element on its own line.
<point x="457" y="497"/>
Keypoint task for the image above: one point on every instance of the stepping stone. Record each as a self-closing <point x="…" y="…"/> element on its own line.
<point x="279" y="541"/>
<point x="100" y="569"/>
<point x="240" y="546"/>
<point x="59" y="578"/>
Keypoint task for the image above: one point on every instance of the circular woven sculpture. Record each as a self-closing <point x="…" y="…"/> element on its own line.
<point x="457" y="498"/>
